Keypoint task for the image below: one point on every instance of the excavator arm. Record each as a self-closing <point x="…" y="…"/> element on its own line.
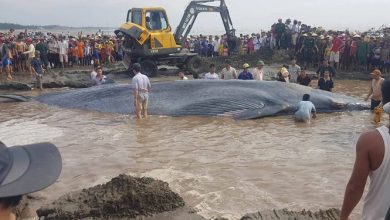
<point x="191" y="13"/>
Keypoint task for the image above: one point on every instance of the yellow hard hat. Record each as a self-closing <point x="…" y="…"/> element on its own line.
<point x="245" y="66"/>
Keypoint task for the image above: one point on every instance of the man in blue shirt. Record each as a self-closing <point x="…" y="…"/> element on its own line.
<point x="37" y="69"/>
<point x="245" y="75"/>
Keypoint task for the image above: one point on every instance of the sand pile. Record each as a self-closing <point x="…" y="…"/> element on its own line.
<point x="330" y="214"/>
<point x="126" y="197"/>
<point x="122" y="197"/>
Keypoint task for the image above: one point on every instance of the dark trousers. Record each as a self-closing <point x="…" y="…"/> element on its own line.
<point x="45" y="60"/>
<point x="278" y="41"/>
<point x="87" y="60"/>
<point x="54" y="59"/>
<point x="374" y="104"/>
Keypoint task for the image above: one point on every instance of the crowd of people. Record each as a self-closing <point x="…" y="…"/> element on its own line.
<point x="17" y="50"/>
<point x="311" y="45"/>
<point x="291" y="73"/>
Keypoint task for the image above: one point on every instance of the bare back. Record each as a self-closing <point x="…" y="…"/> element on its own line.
<point x="375" y="149"/>
<point x="375" y="153"/>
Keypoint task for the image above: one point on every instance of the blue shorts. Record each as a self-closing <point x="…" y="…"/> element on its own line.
<point x="6" y="62"/>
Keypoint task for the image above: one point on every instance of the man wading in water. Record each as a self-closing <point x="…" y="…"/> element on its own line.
<point x="375" y="90"/>
<point x="141" y="89"/>
<point x="372" y="159"/>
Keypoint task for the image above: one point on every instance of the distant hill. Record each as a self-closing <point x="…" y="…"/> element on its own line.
<point x="7" y="26"/>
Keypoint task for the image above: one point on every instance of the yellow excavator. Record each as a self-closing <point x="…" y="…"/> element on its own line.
<point x="148" y="38"/>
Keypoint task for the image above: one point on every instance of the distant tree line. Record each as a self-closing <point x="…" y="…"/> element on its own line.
<point x="5" y="26"/>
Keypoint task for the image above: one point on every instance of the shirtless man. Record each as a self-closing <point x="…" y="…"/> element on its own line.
<point x="21" y="58"/>
<point x="375" y="90"/>
<point x="372" y="159"/>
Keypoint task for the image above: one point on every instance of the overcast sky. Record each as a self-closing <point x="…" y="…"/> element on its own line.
<point x="247" y="15"/>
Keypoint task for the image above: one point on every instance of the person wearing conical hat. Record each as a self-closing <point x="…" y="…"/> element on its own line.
<point x="258" y="72"/>
<point x="362" y="52"/>
<point x="308" y="49"/>
<point x="283" y="75"/>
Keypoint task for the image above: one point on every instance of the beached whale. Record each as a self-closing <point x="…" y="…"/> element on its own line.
<point x="235" y="98"/>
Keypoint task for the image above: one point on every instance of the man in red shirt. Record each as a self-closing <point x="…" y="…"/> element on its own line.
<point x="337" y="43"/>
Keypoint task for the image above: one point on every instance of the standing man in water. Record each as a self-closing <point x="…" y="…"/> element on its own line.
<point x="372" y="159"/>
<point x="141" y="89"/>
<point x="375" y="90"/>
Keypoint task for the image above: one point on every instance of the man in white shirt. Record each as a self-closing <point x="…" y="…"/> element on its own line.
<point x="182" y="76"/>
<point x="258" y="72"/>
<point x="87" y="54"/>
<point x="294" y="70"/>
<point x="30" y="53"/>
<point x="257" y="42"/>
<point x="212" y="75"/>
<point x="141" y="89"/>
<point x="63" y="47"/>
<point x="299" y="27"/>
<point x="53" y="53"/>
<point x="228" y="72"/>
<point x="295" y="32"/>
<point x="216" y="44"/>
<point x="97" y="76"/>
<point x="306" y="110"/>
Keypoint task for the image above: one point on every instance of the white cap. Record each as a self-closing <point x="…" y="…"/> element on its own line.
<point x="386" y="108"/>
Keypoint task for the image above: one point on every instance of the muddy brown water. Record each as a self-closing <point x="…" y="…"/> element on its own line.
<point x="220" y="166"/>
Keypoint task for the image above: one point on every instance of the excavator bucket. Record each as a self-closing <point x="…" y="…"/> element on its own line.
<point x="139" y="33"/>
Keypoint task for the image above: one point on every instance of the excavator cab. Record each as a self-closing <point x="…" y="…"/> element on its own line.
<point x="148" y="38"/>
<point x="150" y="29"/>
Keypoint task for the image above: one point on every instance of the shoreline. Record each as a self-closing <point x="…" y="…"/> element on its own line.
<point x="79" y="77"/>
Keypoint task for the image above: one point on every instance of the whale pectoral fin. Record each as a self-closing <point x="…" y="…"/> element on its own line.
<point x="18" y="98"/>
<point x="269" y="110"/>
<point x="220" y="107"/>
